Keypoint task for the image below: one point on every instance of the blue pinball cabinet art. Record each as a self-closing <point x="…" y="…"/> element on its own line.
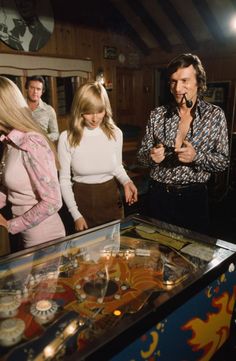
<point x="130" y="290"/>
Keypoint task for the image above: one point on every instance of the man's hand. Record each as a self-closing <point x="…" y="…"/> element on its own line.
<point x="158" y="153"/>
<point x="80" y="224"/>
<point x="186" y="153"/>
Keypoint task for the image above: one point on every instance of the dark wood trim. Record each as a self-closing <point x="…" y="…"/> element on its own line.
<point x="180" y="25"/>
<point x="150" y="24"/>
<point x="210" y="20"/>
<point x="128" y="30"/>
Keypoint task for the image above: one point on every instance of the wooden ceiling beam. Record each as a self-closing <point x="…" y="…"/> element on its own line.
<point x="133" y="35"/>
<point x="210" y="20"/>
<point x="234" y="3"/>
<point x="178" y="22"/>
<point x="138" y="8"/>
<point x="122" y="26"/>
<point x="109" y="18"/>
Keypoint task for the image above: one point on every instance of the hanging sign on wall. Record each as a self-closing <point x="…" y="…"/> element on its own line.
<point x="26" y="24"/>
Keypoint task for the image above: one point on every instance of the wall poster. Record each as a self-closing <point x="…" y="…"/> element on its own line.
<point x="218" y="93"/>
<point x="26" y="25"/>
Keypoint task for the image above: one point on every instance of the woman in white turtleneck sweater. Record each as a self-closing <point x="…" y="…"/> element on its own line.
<point x="90" y="154"/>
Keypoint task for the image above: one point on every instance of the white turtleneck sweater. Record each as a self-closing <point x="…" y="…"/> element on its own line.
<point x="97" y="159"/>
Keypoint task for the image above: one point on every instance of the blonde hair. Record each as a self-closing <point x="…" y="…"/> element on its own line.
<point x="15" y="113"/>
<point x="90" y="97"/>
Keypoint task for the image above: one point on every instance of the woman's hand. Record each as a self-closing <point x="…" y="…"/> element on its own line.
<point x="3" y="221"/>
<point x="80" y="224"/>
<point x="131" y="193"/>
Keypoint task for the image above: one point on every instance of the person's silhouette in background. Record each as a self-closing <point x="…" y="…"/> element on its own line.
<point x="27" y="33"/>
<point x="28" y="11"/>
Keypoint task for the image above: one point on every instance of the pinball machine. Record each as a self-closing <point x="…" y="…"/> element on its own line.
<point x="136" y="289"/>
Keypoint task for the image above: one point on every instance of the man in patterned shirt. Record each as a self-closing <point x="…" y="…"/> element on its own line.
<point x="185" y="142"/>
<point x="43" y="113"/>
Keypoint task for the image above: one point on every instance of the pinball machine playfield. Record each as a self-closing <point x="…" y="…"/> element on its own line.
<point x="123" y="291"/>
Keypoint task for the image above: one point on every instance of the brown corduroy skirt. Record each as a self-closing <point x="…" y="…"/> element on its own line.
<point x="99" y="203"/>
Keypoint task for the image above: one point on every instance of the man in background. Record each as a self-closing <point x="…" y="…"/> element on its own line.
<point x="185" y="142"/>
<point x="43" y="113"/>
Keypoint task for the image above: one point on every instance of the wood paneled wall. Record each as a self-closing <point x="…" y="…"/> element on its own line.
<point x="70" y="40"/>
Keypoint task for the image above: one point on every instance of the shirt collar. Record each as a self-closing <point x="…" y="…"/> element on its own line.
<point x="199" y="107"/>
<point x="41" y="104"/>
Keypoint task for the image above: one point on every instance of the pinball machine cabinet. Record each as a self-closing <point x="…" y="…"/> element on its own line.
<point x="136" y="289"/>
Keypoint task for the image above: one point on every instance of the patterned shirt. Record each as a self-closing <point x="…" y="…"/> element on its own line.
<point x="208" y="135"/>
<point x="45" y="115"/>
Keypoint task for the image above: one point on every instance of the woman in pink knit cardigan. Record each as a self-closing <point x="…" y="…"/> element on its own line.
<point x="30" y="173"/>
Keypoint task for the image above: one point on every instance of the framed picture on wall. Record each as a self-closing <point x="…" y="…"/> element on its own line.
<point x="218" y="93"/>
<point x="110" y="52"/>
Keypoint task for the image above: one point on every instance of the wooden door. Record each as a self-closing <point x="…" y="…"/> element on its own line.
<point x="134" y="96"/>
<point x="125" y="96"/>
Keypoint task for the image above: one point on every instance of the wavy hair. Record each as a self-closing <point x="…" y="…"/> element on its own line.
<point x="15" y="113"/>
<point x="35" y="78"/>
<point x="184" y="61"/>
<point x="90" y="97"/>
